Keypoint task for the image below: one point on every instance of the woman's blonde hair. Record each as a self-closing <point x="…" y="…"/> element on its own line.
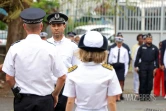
<point x="96" y="57"/>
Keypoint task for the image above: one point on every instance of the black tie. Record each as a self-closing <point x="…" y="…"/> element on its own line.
<point x="118" y="55"/>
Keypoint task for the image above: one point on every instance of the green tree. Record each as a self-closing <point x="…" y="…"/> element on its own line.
<point x="3" y="26"/>
<point x="49" y="6"/>
<point x="15" y="28"/>
<point x="13" y="21"/>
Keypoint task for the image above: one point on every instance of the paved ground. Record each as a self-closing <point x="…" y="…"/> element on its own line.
<point x="129" y="104"/>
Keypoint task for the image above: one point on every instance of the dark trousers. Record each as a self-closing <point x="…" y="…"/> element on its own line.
<point x="165" y="80"/>
<point x="62" y="100"/>
<point x="34" y="103"/>
<point x="146" y="81"/>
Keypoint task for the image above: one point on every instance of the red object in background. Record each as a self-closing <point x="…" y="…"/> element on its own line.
<point x="159" y="83"/>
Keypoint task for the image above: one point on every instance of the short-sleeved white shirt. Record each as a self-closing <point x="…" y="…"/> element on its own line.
<point x="124" y="57"/>
<point x="91" y="84"/>
<point x="67" y="51"/>
<point x="32" y="62"/>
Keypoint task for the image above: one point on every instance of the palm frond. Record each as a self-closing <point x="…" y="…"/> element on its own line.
<point x="5" y="3"/>
<point x="29" y="2"/>
<point x="15" y="14"/>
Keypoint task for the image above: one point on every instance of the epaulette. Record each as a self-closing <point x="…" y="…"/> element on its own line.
<point x="72" y="68"/>
<point x="51" y="43"/>
<point x="107" y="66"/>
<point x="15" y="42"/>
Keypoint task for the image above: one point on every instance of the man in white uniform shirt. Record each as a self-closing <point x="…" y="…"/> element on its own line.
<point x="66" y="48"/>
<point x="133" y="55"/>
<point x="92" y="86"/>
<point x="29" y="66"/>
<point x="119" y="58"/>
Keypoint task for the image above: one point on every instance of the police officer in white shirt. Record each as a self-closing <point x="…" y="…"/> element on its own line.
<point x="119" y="58"/>
<point x="29" y="66"/>
<point x="92" y="85"/>
<point x="66" y="48"/>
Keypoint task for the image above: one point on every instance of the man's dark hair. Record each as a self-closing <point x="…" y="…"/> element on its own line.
<point x="139" y="36"/>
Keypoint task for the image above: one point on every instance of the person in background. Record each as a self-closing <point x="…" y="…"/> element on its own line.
<point x="148" y="53"/>
<point x="119" y="59"/>
<point x="66" y="48"/>
<point x="71" y="35"/>
<point x="126" y="47"/>
<point x="77" y="39"/>
<point x="30" y="64"/>
<point x="133" y="55"/>
<point x="91" y="85"/>
<point x="43" y="35"/>
<point x="123" y="44"/>
<point x="159" y="78"/>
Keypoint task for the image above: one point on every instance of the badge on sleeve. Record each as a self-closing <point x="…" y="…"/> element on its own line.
<point x="107" y="66"/>
<point x="72" y="68"/>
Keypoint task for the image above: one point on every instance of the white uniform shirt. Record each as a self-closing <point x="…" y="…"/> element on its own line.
<point x="134" y="54"/>
<point x="32" y="62"/>
<point x="67" y="50"/>
<point x="134" y="51"/>
<point x="91" y="83"/>
<point x="124" y="57"/>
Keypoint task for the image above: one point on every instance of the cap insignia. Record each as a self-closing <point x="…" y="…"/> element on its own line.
<point x="57" y="16"/>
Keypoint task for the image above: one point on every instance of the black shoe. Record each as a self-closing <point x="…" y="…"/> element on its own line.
<point x="121" y="97"/>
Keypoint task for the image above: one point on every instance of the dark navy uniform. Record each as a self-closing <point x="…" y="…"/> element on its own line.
<point x="149" y="61"/>
<point x="163" y="48"/>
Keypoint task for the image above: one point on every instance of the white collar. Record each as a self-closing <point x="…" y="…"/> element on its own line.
<point x="33" y="37"/>
<point x="90" y="63"/>
<point x="62" y="40"/>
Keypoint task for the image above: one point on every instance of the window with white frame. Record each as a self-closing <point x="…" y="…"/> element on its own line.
<point x="164" y="18"/>
<point x="153" y="18"/>
<point x="129" y="19"/>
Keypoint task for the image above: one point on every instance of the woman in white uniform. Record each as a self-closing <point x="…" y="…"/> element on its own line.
<point x="92" y="85"/>
<point x="119" y="59"/>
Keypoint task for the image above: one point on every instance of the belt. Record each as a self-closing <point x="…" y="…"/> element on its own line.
<point x="32" y="95"/>
<point x="147" y="62"/>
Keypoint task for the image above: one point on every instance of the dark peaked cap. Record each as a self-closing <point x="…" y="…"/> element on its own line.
<point x="71" y="34"/>
<point x="57" y="18"/>
<point x="32" y="15"/>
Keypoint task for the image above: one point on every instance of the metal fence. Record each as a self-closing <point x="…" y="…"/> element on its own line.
<point x="136" y="15"/>
<point x="145" y="16"/>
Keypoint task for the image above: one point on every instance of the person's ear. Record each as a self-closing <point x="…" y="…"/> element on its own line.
<point x="41" y="26"/>
<point x="64" y="25"/>
<point x="24" y="25"/>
